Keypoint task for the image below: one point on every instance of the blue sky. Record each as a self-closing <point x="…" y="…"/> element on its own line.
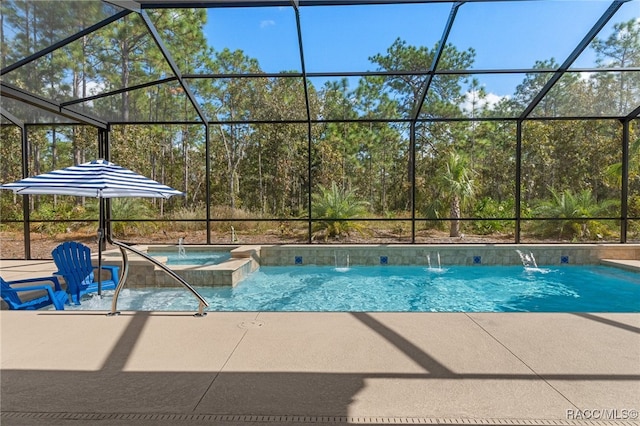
<point x="342" y="38"/>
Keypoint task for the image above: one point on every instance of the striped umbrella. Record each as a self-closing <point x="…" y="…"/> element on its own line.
<point x="99" y="178"/>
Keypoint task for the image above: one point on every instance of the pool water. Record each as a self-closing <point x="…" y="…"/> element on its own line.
<point x="404" y="289"/>
<point x="193" y="257"/>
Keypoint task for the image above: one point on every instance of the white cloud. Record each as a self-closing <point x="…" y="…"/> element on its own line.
<point x="586" y="76"/>
<point x="267" y="23"/>
<point x="489" y="100"/>
<point x="95" y="87"/>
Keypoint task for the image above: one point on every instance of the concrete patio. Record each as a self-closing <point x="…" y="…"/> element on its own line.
<point x="155" y="368"/>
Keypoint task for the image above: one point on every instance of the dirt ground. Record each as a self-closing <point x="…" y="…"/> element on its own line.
<point x="12" y="243"/>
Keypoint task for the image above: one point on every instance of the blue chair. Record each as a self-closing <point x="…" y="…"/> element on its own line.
<point x="55" y="295"/>
<point x="73" y="260"/>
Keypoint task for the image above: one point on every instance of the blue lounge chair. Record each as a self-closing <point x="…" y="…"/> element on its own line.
<point x="55" y="295"/>
<point x="73" y="260"/>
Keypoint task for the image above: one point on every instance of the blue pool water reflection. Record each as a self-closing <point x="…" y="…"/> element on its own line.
<point x="404" y="289"/>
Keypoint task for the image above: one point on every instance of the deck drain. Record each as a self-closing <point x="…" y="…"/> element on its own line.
<point x="242" y="419"/>
<point x="251" y="324"/>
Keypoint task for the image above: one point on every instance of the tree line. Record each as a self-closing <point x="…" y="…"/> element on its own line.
<point x="265" y="157"/>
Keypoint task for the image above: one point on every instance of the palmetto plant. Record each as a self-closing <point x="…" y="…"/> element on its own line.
<point x="330" y="209"/>
<point x="573" y="210"/>
<point x="131" y="208"/>
<point x="458" y="185"/>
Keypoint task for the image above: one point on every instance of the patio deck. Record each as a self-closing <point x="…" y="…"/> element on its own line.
<point x="255" y="368"/>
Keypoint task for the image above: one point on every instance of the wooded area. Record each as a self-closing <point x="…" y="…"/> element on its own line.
<point x="355" y="170"/>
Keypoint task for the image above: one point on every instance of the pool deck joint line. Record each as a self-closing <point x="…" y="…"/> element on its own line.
<point x="521" y="360"/>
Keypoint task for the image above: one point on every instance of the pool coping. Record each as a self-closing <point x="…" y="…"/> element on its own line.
<point x="629" y="265"/>
<point x="246" y="259"/>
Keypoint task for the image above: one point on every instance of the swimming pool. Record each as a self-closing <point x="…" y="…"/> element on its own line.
<point x="199" y="258"/>
<point x="403" y="289"/>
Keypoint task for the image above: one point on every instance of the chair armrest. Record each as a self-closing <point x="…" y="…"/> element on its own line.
<point x="111" y="267"/>
<point x="54" y="301"/>
<point x="32" y="288"/>
<point x="52" y="278"/>
<point x="114" y="270"/>
<point x="47" y="288"/>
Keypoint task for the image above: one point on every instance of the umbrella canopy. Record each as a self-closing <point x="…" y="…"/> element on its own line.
<point x="98" y="178"/>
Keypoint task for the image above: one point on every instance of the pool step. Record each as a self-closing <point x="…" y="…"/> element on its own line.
<point x="228" y="273"/>
<point x="142" y="273"/>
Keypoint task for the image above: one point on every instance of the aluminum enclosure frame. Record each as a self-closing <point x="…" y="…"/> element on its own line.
<point x="139" y="7"/>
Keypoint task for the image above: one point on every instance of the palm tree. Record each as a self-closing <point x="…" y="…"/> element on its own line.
<point x="458" y="187"/>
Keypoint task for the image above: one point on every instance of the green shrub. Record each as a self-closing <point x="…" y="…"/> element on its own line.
<point x="491" y="209"/>
<point x="330" y="209"/>
<point x="47" y="211"/>
<point x="128" y="208"/>
<point x="9" y="209"/>
<point x="436" y="210"/>
<point x="573" y="212"/>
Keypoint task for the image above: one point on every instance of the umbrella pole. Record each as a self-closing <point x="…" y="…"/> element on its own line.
<point x="100" y="240"/>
